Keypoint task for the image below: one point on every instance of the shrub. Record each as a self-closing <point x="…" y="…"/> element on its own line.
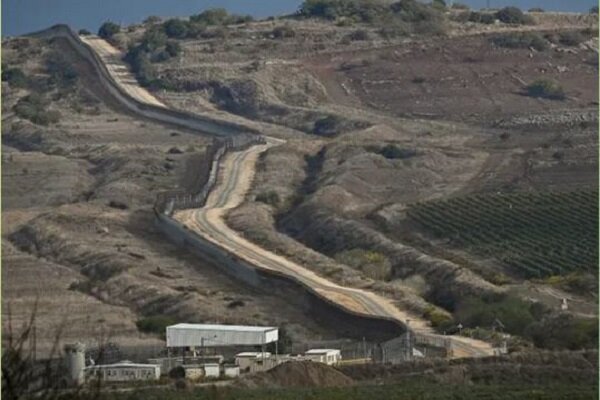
<point x="536" y="9"/>
<point x="515" y="314"/>
<point x="33" y="108"/>
<point x="271" y="198"/>
<point x="327" y="126"/>
<point x="61" y="71"/>
<point x="359" y="10"/>
<point x="394" y="29"/>
<point x="571" y="38"/>
<point x="439" y="5"/>
<point x="14" y="76"/>
<point x="155" y="324"/>
<point x="282" y="32"/>
<point x="564" y="331"/>
<point x="414" y="11"/>
<point x="460" y="6"/>
<point x="173" y="48"/>
<point x="391" y="151"/>
<point x="153" y="19"/>
<point x="481" y="18"/>
<point x="84" y="32"/>
<point x="153" y="39"/>
<point x="521" y="40"/>
<point x="373" y="264"/>
<point x="358" y="35"/>
<point x="545" y="88"/>
<point x="594" y="10"/>
<point x="513" y="15"/>
<point x="108" y="30"/>
<point x="438" y="318"/>
<point x="176" y="28"/>
<point x="213" y="16"/>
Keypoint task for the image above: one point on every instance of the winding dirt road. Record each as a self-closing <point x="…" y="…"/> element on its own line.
<point x="234" y="181"/>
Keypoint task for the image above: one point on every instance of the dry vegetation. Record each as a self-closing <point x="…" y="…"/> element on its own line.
<point x="442" y="105"/>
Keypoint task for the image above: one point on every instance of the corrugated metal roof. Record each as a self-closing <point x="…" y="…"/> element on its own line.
<point x="188" y="335"/>
<point x="209" y="327"/>
<point x="321" y="351"/>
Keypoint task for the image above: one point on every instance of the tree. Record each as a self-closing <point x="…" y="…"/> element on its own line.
<point x="108" y="30"/>
<point x="84" y="32"/>
<point x="153" y="40"/>
<point x="176" y="28"/>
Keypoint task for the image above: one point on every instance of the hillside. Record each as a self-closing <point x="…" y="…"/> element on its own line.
<point x="393" y="135"/>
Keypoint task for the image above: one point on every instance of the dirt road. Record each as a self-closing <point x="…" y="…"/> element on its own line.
<point x="234" y="181"/>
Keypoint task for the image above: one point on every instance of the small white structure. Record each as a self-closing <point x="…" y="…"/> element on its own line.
<point x="231" y="371"/>
<point x="247" y="359"/>
<point x="212" y="370"/>
<point x="203" y="335"/>
<point x="325" y="356"/>
<point x="123" y="371"/>
<point x="75" y="359"/>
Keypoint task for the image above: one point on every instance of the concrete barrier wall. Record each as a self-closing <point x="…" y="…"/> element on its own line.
<point x="205" y="249"/>
<point x="154" y="112"/>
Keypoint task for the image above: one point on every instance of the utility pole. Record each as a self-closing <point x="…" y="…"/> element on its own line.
<point x="408" y="347"/>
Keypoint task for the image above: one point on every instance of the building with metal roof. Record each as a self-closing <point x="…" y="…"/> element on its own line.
<point x="206" y="335"/>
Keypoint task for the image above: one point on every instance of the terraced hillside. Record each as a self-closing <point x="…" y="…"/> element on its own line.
<point x="534" y="234"/>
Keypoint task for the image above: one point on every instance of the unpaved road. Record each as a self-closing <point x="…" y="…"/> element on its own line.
<point x="234" y="182"/>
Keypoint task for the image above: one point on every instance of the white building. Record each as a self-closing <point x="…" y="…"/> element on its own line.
<point x="123" y="371"/>
<point x="326" y="356"/>
<point x="247" y="359"/>
<point x="203" y="335"/>
<point x="231" y="371"/>
<point x="212" y="370"/>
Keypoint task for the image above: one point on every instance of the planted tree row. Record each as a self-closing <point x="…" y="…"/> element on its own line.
<point x="534" y="234"/>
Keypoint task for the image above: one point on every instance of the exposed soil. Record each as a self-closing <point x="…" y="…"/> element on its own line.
<point x="297" y="374"/>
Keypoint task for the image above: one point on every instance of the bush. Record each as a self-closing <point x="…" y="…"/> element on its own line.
<point x="359" y="10"/>
<point x="594" y="10"/>
<point x="327" y="126"/>
<point x="391" y="151"/>
<point x="564" y="331"/>
<point x="521" y="40"/>
<point x="571" y="38"/>
<point x="460" y="6"/>
<point x="515" y="314"/>
<point x="173" y="48"/>
<point x="213" y="16"/>
<point x="14" y="76"/>
<point x="545" y="88"/>
<point x="373" y="264"/>
<point x="155" y="324"/>
<point x="481" y="18"/>
<point x="536" y="9"/>
<point x="414" y="11"/>
<point x="394" y="29"/>
<point x="153" y="19"/>
<point x="439" y="5"/>
<point x="153" y="40"/>
<point x="108" y="30"/>
<point x="33" y="108"/>
<point x="359" y="35"/>
<point x="513" y="15"/>
<point x="84" y="32"/>
<point x="176" y="28"/>
<point x="439" y="319"/>
<point x="271" y="198"/>
<point x="282" y="32"/>
<point x="61" y="71"/>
